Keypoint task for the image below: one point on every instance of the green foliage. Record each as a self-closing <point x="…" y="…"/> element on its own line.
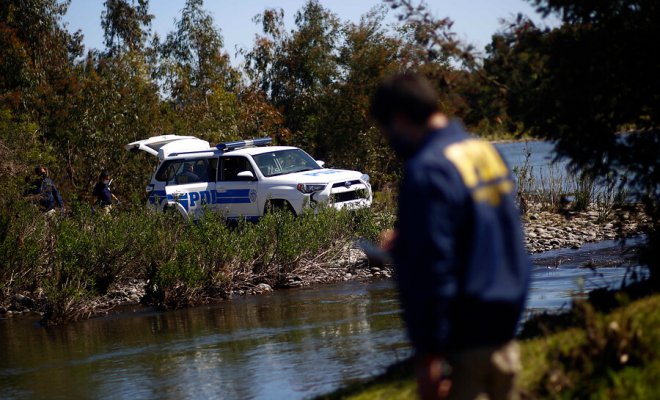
<point x="608" y="356"/>
<point x="208" y="258"/>
<point x="79" y="257"/>
<point x="584" y="191"/>
<point x="296" y="70"/>
<point x="197" y="77"/>
<point x="578" y="84"/>
<point x="583" y="83"/>
<point x="124" y="25"/>
<point x="24" y="234"/>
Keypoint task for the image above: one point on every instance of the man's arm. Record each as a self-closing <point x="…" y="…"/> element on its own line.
<point x="58" y="197"/>
<point x="424" y="256"/>
<point x="425" y="246"/>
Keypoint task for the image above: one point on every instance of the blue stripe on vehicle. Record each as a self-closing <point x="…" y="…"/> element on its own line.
<point x="233" y="196"/>
<point x="234" y="193"/>
<point x="233" y="200"/>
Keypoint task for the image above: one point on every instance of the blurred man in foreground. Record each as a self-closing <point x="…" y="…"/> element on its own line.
<point x="462" y="268"/>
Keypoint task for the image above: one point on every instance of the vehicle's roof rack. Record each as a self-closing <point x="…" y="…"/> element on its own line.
<point x="243" y="143"/>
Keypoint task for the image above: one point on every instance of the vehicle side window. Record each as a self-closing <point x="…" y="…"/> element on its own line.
<point x="212" y="167"/>
<point x="231" y="166"/>
<point x="180" y="172"/>
<point x="167" y="171"/>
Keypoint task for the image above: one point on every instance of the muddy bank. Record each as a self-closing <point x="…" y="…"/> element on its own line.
<point x="544" y="231"/>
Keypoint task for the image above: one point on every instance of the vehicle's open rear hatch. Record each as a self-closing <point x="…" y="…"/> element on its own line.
<point x="163" y="145"/>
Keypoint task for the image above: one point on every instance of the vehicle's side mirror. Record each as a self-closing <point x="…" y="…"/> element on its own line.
<point x="246" y="176"/>
<point x="320" y="163"/>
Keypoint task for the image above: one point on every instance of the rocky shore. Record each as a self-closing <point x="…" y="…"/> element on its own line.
<point x="544" y="231"/>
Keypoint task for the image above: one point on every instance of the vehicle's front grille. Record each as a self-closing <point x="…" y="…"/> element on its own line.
<point x="348" y="196"/>
<point x="345" y="184"/>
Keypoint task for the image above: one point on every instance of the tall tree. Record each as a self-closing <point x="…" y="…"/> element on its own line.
<point x="366" y="55"/>
<point x="295" y="69"/>
<point x="125" y="25"/>
<point x="37" y="51"/>
<point x="114" y="105"/>
<point x="36" y="58"/>
<point x="431" y="47"/>
<point x="197" y="76"/>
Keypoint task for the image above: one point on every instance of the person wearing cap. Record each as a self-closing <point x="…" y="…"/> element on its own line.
<point x="461" y="265"/>
<point x="44" y="191"/>
<point x="103" y="196"/>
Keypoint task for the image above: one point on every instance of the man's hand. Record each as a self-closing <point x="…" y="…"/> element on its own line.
<point x="432" y="378"/>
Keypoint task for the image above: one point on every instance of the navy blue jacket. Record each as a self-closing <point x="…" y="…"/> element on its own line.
<point x="48" y="194"/>
<point x="462" y="268"/>
<point x="102" y="193"/>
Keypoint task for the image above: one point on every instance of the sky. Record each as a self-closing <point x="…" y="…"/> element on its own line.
<point x="474" y="20"/>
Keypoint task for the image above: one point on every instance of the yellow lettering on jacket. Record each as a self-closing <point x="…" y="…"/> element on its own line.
<point x="482" y="169"/>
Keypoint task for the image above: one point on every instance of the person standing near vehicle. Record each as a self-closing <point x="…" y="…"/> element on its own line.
<point x="461" y="265"/>
<point x="102" y="194"/>
<point x="44" y="191"/>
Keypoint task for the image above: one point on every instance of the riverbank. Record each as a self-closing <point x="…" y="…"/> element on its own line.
<point x="612" y="353"/>
<point x="545" y="230"/>
<point x="266" y="257"/>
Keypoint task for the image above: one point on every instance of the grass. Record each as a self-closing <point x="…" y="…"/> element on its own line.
<point x="552" y="186"/>
<point x="609" y="355"/>
<point x="65" y="262"/>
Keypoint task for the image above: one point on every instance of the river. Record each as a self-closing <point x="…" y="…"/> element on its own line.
<point x="290" y="344"/>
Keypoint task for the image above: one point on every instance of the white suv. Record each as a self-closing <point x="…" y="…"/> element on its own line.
<point x="245" y="178"/>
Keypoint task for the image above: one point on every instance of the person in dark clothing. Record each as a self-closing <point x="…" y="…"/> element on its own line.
<point x="102" y="194"/>
<point x="462" y="269"/>
<point x="44" y="191"/>
<point x="187" y="175"/>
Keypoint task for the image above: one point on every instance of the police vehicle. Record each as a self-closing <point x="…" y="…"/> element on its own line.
<point x="245" y="178"/>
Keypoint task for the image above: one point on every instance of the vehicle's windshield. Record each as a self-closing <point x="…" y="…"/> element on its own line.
<point x="284" y="162"/>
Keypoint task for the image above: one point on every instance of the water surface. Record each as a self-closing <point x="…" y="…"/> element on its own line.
<point x="291" y="344"/>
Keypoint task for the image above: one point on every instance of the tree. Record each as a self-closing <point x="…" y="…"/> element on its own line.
<point x="198" y="78"/>
<point x="587" y="81"/>
<point x="36" y="60"/>
<point x="114" y="104"/>
<point x="295" y="70"/>
<point x="125" y="25"/>
<point x="367" y="54"/>
<point x="36" y="53"/>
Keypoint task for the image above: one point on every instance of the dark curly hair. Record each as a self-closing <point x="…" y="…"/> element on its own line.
<point x="410" y="95"/>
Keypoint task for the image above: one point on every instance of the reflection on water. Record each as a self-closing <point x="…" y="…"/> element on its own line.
<point x="541" y="154"/>
<point x="290" y="344"/>
<point x="561" y="274"/>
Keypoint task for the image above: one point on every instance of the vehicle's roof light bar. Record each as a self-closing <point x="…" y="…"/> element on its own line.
<point x="243" y="143"/>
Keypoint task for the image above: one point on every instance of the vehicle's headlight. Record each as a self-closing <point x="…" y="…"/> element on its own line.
<point x="365" y="178"/>
<point x="310" y="187"/>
